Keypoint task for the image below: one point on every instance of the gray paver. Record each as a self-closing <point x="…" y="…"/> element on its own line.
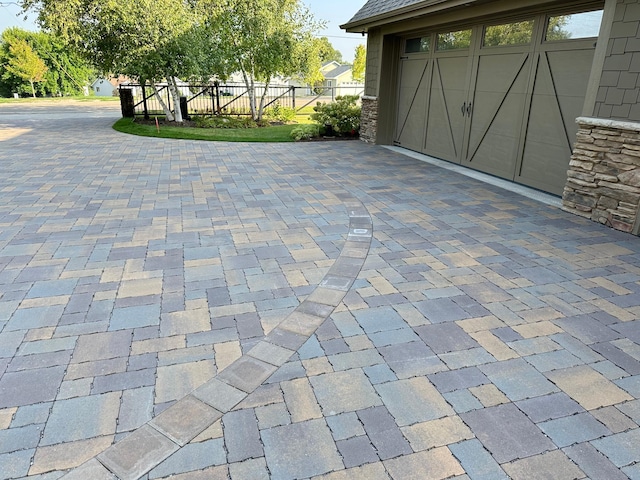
<point x="241" y="435"/>
<point x="341" y="392"/>
<point x="300" y="450"/>
<point x="507" y="433"/>
<point x="179" y="256"/>
<point x="30" y="386"/>
<point x="593" y="463"/>
<point x="384" y="433"/>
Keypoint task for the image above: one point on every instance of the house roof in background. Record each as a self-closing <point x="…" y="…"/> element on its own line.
<point x="336" y="72"/>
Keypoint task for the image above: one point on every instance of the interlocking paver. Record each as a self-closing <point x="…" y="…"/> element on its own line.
<point x="300" y="450"/>
<point x="341" y="392"/>
<point x="507" y="433"/>
<point x="550" y="465"/>
<point x="384" y="433"/>
<point x="163" y="263"/>
<point x="593" y="463"/>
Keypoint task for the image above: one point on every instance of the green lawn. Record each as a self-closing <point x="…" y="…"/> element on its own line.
<point x="279" y="133"/>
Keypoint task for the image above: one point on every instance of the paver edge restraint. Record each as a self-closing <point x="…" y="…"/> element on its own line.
<point x="147" y="446"/>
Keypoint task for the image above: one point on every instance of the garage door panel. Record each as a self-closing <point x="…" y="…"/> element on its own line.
<point x="498" y="102"/>
<point x="445" y="121"/>
<point x="412" y="98"/>
<point x="558" y="95"/>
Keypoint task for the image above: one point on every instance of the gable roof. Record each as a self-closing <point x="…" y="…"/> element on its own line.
<point x="376" y="7"/>
<point x="338" y="71"/>
<point x="377" y="12"/>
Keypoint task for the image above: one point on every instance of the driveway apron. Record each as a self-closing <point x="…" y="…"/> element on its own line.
<point x="329" y="310"/>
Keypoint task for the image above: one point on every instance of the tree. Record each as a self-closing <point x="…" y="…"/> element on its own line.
<point x="151" y="40"/>
<point x="359" y="63"/>
<point x="25" y="63"/>
<point x="67" y="73"/>
<point x="326" y="51"/>
<point x="263" y="39"/>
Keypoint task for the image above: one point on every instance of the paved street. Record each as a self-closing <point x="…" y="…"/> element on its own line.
<point x="331" y="310"/>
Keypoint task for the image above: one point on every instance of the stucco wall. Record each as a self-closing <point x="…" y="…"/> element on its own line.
<point x="619" y="88"/>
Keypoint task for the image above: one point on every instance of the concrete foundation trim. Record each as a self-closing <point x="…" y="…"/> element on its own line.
<point x="603" y="180"/>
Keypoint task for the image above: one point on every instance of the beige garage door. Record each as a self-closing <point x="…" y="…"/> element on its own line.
<point x="500" y="98"/>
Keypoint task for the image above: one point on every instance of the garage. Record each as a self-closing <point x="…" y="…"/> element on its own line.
<point x="500" y="97"/>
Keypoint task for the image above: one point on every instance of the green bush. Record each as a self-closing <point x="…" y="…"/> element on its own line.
<point x="343" y="115"/>
<point x="222" y="121"/>
<point x="305" y="132"/>
<point x="278" y="113"/>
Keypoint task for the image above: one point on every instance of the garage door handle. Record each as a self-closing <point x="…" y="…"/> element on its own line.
<point x="469" y="109"/>
<point x="464" y="108"/>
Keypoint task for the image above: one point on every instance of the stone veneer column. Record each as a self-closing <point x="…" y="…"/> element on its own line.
<point x="603" y="181"/>
<point x="369" y="119"/>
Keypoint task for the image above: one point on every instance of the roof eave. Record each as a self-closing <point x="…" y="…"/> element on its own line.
<point x="423" y="8"/>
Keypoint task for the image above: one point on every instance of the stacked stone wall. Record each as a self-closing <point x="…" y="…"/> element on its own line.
<point x="369" y="119"/>
<point x="603" y="181"/>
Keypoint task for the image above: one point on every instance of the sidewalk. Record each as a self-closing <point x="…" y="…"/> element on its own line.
<point x="159" y="303"/>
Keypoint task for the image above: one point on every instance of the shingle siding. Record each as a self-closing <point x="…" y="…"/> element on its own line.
<point x="618" y="93"/>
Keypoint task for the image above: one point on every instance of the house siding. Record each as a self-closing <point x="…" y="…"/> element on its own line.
<point x="620" y="80"/>
<point x="374" y="40"/>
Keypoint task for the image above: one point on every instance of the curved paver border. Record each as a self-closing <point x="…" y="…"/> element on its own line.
<point x="149" y="445"/>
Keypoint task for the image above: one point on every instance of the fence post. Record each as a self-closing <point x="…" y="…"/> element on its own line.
<point x="217" y="92"/>
<point x="126" y="102"/>
<point x="184" y="108"/>
<point x="144" y="100"/>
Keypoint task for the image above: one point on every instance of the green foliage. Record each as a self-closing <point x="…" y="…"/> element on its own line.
<point x="261" y="39"/>
<point x="516" y="33"/>
<point x="326" y="52"/>
<point x="279" y="133"/>
<point x="223" y="121"/>
<point x="278" y="113"/>
<point x="555" y="29"/>
<point x="343" y="115"/>
<point x="24" y="63"/>
<point x="305" y="132"/>
<point x="454" y="40"/>
<point x="359" y="63"/>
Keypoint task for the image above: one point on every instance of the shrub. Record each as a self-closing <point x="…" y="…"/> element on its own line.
<point x="221" y="121"/>
<point x="278" y="113"/>
<point x="304" y="132"/>
<point x="343" y="115"/>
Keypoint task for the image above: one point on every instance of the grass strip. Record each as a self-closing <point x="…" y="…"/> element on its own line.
<point x="278" y="133"/>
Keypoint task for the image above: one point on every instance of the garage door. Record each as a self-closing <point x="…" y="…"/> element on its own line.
<point x="499" y="98"/>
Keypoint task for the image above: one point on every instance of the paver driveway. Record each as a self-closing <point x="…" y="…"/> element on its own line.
<point x="486" y="335"/>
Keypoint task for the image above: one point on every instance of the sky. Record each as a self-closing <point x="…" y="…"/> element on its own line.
<point x="333" y="12"/>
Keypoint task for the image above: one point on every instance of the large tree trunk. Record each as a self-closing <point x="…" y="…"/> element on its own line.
<point x="175" y="94"/>
<point x="262" y="98"/>
<point x="251" y="90"/>
<point x="164" y="106"/>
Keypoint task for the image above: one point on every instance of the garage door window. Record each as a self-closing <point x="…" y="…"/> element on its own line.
<point x="417" y="45"/>
<point x="517" y="33"/>
<point x="569" y="27"/>
<point x="454" y="40"/>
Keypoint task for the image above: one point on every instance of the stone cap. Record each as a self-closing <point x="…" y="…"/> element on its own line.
<point x="608" y="123"/>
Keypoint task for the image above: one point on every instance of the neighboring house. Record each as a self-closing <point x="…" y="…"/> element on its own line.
<point x="340" y="79"/>
<point x="497" y="86"/>
<point x="103" y="87"/>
